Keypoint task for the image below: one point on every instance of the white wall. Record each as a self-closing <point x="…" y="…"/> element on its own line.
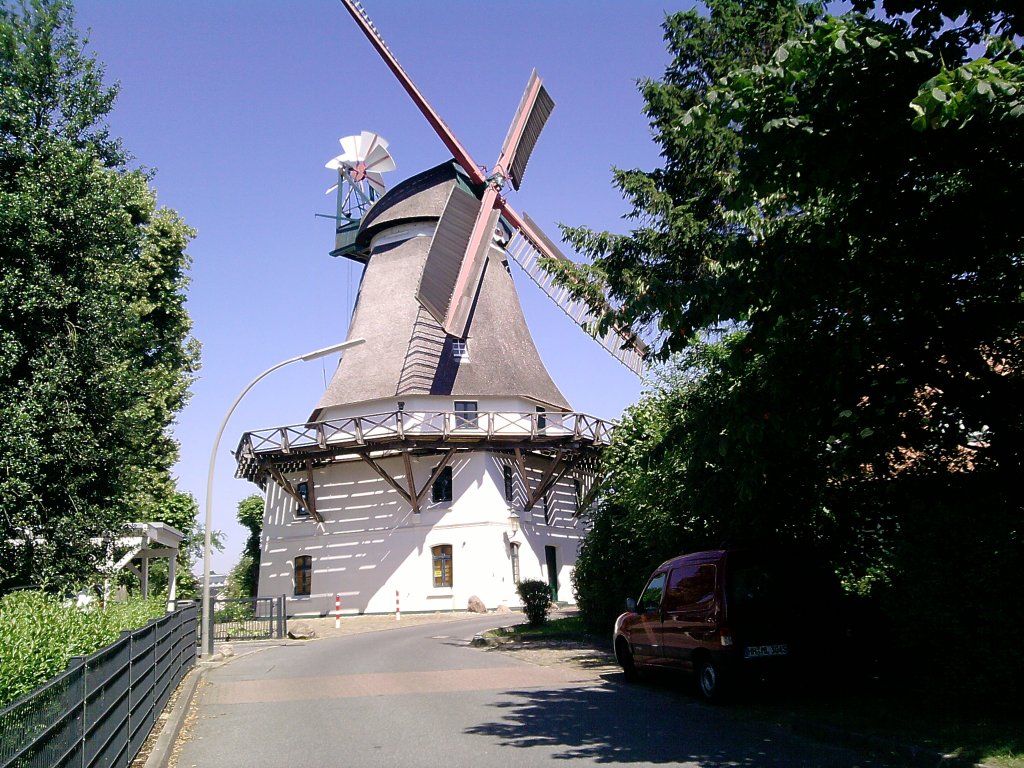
<point x="372" y="544"/>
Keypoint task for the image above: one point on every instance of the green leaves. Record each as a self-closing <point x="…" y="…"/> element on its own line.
<point x="42" y="633"/>
<point x="983" y="88"/>
<point x="95" y="353"/>
<point x="872" y="274"/>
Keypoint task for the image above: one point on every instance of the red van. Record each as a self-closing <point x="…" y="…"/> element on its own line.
<point x="723" y="613"/>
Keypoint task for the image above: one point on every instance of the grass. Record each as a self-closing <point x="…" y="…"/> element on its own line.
<point x="569" y="628"/>
<point x="992" y="736"/>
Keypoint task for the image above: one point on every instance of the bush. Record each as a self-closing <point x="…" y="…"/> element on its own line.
<point x="536" y="597"/>
<point x="42" y="632"/>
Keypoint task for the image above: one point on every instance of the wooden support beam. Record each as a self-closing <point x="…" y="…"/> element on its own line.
<point x="521" y="466"/>
<point x="588" y="497"/>
<point x="552" y="474"/>
<point x="285" y="486"/>
<point x="410" y="481"/>
<point x="446" y="459"/>
<point x="388" y="479"/>
<point x="310" y="491"/>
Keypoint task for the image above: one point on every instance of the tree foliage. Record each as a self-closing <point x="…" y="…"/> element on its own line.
<point x="536" y="597"/>
<point x="837" y="212"/>
<point x="95" y="353"/>
<point x="42" y="633"/>
<point x="244" y="579"/>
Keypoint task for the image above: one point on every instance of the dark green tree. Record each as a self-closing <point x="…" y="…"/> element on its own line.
<point x="95" y="353"/>
<point x="837" y="209"/>
<point x="244" y="579"/>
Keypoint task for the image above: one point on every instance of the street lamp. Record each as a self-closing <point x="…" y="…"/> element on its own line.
<point x="513" y="521"/>
<point x="207" y="541"/>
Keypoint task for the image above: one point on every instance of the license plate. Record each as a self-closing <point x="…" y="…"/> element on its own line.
<point x="760" y="651"/>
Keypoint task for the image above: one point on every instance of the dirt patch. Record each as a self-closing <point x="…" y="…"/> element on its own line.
<point x="552" y="652"/>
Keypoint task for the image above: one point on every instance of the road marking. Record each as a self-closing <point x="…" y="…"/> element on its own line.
<point x="390" y="684"/>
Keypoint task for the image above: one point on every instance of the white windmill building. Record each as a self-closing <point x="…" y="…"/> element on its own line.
<point x="442" y="462"/>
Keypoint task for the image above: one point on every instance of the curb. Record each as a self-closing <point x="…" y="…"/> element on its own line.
<point x="160" y="755"/>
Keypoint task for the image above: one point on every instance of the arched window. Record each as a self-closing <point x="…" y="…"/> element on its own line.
<point x="514" y="552"/>
<point x="442" y="565"/>
<point x="303" y="575"/>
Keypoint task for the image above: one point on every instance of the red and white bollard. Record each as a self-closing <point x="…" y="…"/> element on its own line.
<point x="337" y="611"/>
<point x="398" y="612"/>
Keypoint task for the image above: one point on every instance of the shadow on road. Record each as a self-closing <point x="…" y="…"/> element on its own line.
<point x="617" y="723"/>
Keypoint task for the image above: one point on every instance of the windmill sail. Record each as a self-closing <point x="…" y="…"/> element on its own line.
<point x="450" y="299"/>
<point x="526" y="249"/>
<point x="534" y="110"/>
<point x="447" y="249"/>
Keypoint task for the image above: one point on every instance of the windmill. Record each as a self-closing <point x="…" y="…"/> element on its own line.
<point x="443" y="426"/>
<point x="454" y="267"/>
<point x="360" y="183"/>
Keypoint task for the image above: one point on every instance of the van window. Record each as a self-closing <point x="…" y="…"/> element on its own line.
<point x="763" y="586"/>
<point x="650" y="600"/>
<point x="691" y="586"/>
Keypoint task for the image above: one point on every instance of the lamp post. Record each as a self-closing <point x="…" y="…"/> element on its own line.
<point x="207" y="541"/>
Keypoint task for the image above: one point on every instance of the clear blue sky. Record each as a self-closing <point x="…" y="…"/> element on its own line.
<point x="237" y="106"/>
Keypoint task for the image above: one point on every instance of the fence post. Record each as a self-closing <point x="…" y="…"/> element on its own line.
<point x="208" y="639"/>
<point x="85" y="695"/>
<point x="337" y="611"/>
<point x="282" y="619"/>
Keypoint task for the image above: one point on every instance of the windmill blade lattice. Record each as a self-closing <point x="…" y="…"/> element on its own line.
<point x="623" y="343"/>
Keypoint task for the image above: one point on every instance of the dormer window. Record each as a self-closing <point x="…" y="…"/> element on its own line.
<point x="460" y="351"/>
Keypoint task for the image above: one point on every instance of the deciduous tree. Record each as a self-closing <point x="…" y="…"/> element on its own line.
<point x="838" y="208"/>
<point x="95" y="352"/>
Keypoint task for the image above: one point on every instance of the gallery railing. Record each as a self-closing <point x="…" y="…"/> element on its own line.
<point x="354" y="432"/>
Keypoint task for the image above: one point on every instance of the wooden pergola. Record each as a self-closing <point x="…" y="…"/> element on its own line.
<point x="556" y="442"/>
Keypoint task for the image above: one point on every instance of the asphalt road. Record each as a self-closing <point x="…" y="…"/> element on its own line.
<point x="422" y="696"/>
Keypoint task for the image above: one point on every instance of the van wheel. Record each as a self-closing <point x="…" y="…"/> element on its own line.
<point x="709" y="680"/>
<point x="625" y="658"/>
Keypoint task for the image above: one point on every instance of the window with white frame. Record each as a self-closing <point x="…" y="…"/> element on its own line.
<point x="465" y="414"/>
<point x="460" y="351"/>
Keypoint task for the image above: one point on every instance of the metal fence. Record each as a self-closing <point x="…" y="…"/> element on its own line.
<point x="247" y="618"/>
<point x="100" y="710"/>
